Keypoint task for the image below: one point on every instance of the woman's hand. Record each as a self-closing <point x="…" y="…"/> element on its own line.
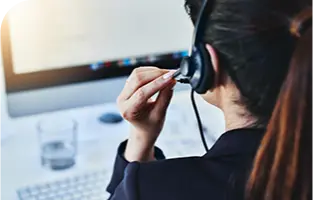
<point x="145" y="115"/>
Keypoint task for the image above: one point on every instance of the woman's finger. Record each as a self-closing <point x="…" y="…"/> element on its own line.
<point x="163" y="100"/>
<point x="145" y="68"/>
<point x="141" y="96"/>
<point x="137" y="79"/>
<point x="140" y="70"/>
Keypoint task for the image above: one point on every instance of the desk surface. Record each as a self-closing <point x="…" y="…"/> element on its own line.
<point x="20" y="159"/>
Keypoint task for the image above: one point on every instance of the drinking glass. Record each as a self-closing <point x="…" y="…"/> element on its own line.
<point x="58" y="142"/>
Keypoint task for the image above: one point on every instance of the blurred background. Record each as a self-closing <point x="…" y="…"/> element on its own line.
<point x="63" y="63"/>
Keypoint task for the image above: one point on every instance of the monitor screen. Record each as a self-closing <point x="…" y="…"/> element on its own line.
<point x="54" y="34"/>
<point x="73" y="49"/>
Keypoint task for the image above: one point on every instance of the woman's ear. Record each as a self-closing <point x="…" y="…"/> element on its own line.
<point x="214" y="58"/>
<point x="212" y="96"/>
<point x="215" y="63"/>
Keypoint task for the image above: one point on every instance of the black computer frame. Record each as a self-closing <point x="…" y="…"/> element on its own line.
<point x="62" y="76"/>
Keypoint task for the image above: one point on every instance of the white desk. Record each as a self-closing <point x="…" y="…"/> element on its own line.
<point x="20" y="163"/>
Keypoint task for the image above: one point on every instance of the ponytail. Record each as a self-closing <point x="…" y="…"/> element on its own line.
<point x="282" y="168"/>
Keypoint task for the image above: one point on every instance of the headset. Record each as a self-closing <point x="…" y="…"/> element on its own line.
<point x="197" y="69"/>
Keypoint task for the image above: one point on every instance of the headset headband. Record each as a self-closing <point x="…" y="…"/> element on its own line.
<point x="199" y="31"/>
<point x="201" y="23"/>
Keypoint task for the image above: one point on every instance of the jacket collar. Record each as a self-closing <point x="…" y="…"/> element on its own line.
<point x="238" y="141"/>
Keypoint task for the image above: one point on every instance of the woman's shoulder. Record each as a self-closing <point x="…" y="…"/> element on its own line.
<point x="185" y="178"/>
<point x="172" y="164"/>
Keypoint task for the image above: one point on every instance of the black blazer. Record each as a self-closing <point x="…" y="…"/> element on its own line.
<point x="220" y="174"/>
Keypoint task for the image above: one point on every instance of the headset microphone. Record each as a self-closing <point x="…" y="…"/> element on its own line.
<point x="196" y="69"/>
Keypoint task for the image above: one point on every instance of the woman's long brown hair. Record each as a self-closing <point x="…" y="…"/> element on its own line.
<point x="282" y="168"/>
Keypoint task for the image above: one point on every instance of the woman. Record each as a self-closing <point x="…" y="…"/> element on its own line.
<point x="261" y="52"/>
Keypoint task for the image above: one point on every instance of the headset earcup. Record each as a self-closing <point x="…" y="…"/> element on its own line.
<point x="205" y="79"/>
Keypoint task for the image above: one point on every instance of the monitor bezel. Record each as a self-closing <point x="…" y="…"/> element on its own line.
<point x="62" y="76"/>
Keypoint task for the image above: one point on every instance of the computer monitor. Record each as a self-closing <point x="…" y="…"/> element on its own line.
<point x="61" y="54"/>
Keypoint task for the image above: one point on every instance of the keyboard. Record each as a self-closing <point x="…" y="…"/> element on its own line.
<point x="90" y="186"/>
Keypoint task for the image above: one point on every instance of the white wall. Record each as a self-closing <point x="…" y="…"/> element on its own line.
<point x="5" y="120"/>
<point x="2" y="85"/>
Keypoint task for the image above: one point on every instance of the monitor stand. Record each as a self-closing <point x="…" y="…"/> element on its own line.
<point x="110" y="118"/>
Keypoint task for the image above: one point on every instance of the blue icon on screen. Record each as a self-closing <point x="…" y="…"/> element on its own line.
<point x="96" y="66"/>
<point x="184" y="53"/>
<point x="176" y="55"/>
<point x="127" y="62"/>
